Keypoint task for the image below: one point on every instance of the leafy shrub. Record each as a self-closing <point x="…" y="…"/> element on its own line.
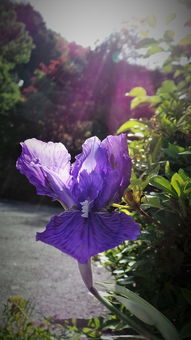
<point x="157" y="266"/>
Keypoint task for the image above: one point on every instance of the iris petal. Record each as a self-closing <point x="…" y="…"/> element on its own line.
<point x="86" y="172"/>
<point x="115" y="165"/>
<point x="47" y="166"/>
<point x="86" y="159"/>
<point x="84" y="237"/>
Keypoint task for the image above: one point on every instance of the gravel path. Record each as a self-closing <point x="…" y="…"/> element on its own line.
<point x="40" y="272"/>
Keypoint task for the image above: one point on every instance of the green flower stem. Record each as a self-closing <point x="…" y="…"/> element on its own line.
<point x="138" y="328"/>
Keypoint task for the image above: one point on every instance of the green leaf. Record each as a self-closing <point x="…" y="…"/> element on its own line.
<point x="138" y="92"/>
<point x="152" y="201"/>
<point x="133" y="125"/>
<point x="155" y="48"/>
<point x="167" y="169"/>
<point x="146" y="42"/>
<point x="137" y="101"/>
<point x="163" y="184"/>
<point x="155" y="148"/>
<point x="177" y="182"/>
<point x="185" y="153"/>
<point x="168" y="86"/>
<point x="146" y="312"/>
<point x="170" y="17"/>
<point x="168" y="68"/>
<point x="154" y="100"/>
<point x="184" y="176"/>
<point x="136" y="309"/>
<point x="177" y="73"/>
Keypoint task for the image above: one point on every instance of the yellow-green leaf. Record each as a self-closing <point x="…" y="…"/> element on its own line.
<point x="153" y="49"/>
<point x="137" y="101"/>
<point x="163" y="184"/>
<point x="137" y="92"/>
<point x="177" y="182"/>
<point x="133" y="125"/>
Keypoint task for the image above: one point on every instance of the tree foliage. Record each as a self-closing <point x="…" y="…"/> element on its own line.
<point x="15" y="48"/>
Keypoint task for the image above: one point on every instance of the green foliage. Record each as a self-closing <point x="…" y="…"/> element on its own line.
<point x="16" y="44"/>
<point x="157" y="266"/>
<point x="17" y="324"/>
<point x="15" y="48"/>
<point x="143" y="311"/>
<point x="9" y="89"/>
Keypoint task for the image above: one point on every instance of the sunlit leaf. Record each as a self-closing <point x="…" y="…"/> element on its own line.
<point x="167" y="169"/>
<point x="177" y="182"/>
<point x="177" y="73"/>
<point x="146" y="42"/>
<point x="183" y="174"/>
<point x="137" y="101"/>
<point x="163" y="184"/>
<point x="152" y="201"/>
<point x="155" y="48"/>
<point x="132" y="125"/>
<point x="167" y="68"/>
<point x="168" y="86"/>
<point x="138" y="92"/>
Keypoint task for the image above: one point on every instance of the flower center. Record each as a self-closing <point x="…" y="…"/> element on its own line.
<point x="85" y="208"/>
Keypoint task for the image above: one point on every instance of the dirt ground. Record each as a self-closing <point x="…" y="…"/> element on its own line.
<point x="39" y="272"/>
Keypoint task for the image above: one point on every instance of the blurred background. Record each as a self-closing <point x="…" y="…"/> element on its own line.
<point x="66" y="67"/>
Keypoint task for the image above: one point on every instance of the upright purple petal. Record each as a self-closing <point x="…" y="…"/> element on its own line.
<point x="86" y="172"/>
<point x="84" y="237"/>
<point x="86" y="160"/>
<point x="47" y="166"/>
<point x="115" y="165"/>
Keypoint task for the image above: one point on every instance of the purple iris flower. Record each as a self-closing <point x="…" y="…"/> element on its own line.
<point x="86" y="188"/>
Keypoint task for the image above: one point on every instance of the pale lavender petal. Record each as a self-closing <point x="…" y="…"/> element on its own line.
<point x="116" y="169"/>
<point x="84" y="237"/>
<point x="86" y="160"/>
<point x="47" y="166"/>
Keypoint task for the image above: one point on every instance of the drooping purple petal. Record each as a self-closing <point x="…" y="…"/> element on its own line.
<point x="84" y="237"/>
<point x="47" y="166"/>
<point x="115" y="165"/>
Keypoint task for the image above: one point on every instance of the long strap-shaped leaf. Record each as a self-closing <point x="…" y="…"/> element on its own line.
<point x="146" y="312"/>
